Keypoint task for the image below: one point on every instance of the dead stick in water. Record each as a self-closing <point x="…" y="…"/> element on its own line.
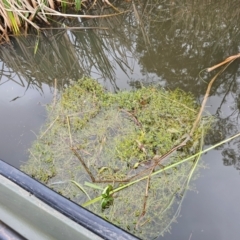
<point x="206" y="98"/>
<point x="227" y="60"/>
<point x="83" y="163"/>
<point x="182" y="143"/>
<point x="144" y="209"/>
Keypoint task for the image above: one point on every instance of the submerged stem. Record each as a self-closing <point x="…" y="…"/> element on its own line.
<point x="165" y="168"/>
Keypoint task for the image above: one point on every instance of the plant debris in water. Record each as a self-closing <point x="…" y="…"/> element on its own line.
<point x="95" y="141"/>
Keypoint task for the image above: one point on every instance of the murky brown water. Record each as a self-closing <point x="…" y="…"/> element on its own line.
<point x="165" y="42"/>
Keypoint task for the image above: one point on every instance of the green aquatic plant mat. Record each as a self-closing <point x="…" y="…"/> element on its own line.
<point x="95" y="141"/>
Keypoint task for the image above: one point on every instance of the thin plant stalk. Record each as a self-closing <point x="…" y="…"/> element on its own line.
<point x="163" y="169"/>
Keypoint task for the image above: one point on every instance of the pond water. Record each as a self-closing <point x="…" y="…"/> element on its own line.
<point x="163" y="42"/>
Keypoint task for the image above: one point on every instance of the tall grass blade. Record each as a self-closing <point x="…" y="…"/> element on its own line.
<point x="12" y="19"/>
<point x="36" y="44"/>
<point x="94" y="186"/>
<point x="81" y="188"/>
<point x="64" y="6"/>
<point x="78" y="5"/>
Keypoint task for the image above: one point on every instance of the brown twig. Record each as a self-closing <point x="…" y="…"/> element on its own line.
<point x="49" y="127"/>
<point x="157" y="162"/>
<point x="133" y="117"/>
<point x="108" y="3"/>
<point x="55" y="92"/>
<point x="163" y="157"/>
<point x="144" y="209"/>
<point x="227" y="60"/>
<point x="74" y="28"/>
<point x="91" y="175"/>
<point x="151" y="168"/>
<point x="83" y="163"/>
<point x="206" y="97"/>
<point x="69" y="132"/>
<point x="94" y="2"/>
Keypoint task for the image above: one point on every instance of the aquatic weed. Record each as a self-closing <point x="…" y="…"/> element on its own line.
<point x="110" y="138"/>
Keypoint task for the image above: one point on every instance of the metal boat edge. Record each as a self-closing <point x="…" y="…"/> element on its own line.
<point x="30" y="210"/>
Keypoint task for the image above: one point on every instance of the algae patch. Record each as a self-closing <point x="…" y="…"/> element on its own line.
<point x="112" y="139"/>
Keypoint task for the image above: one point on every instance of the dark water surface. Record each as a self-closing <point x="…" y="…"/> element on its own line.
<point x="168" y="43"/>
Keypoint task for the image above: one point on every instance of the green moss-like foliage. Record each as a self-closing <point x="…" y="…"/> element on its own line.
<point x="116" y="136"/>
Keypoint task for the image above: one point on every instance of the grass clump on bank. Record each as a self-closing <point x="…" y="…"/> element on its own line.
<point x="18" y="16"/>
<point x="96" y="142"/>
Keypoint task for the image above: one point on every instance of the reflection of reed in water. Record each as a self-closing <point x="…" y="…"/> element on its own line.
<point x="166" y="39"/>
<point x="69" y="54"/>
<point x="186" y="37"/>
<point x="52" y="59"/>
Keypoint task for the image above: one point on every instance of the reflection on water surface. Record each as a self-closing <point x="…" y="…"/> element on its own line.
<point x="167" y="43"/>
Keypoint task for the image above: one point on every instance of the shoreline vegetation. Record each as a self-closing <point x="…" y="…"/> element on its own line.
<point x="18" y="16"/>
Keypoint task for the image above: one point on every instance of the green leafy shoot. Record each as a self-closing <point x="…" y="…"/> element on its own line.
<point x="81" y="188"/>
<point x="36" y="44"/>
<point x="78" y="4"/>
<point x="107" y="198"/>
<point x="93" y="186"/>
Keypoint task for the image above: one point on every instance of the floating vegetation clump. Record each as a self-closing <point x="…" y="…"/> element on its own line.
<point x="118" y="154"/>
